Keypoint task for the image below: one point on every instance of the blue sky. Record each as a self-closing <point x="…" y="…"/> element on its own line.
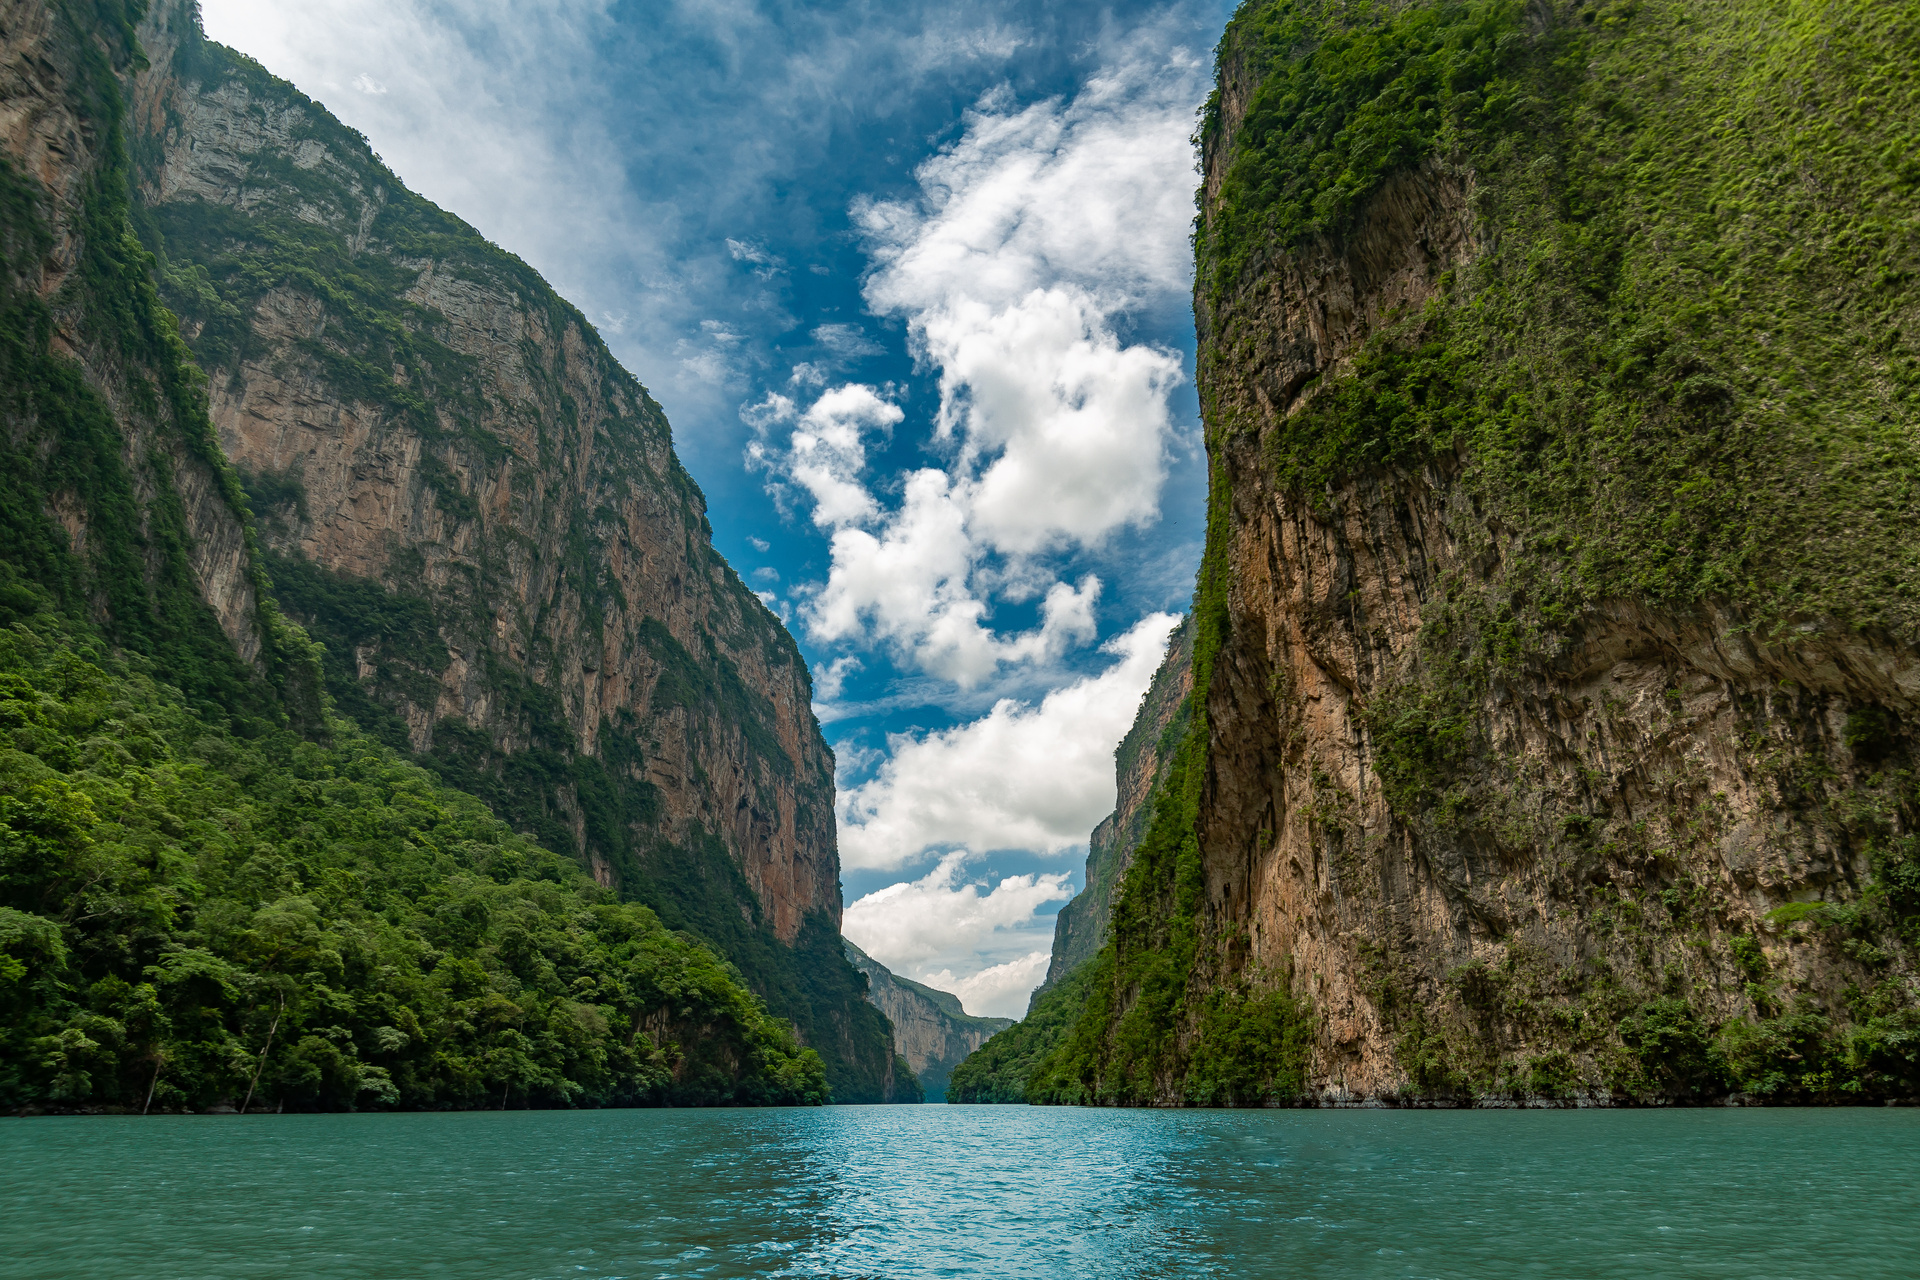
<point x="911" y="283"/>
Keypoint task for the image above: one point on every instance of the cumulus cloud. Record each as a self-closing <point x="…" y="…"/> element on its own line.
<point x="828" y="453"/>
<point x="1030" y="237"/>
<point x="942" y="920"/>
<point x="1021" y="777"/>
<point x="997" y="991"/>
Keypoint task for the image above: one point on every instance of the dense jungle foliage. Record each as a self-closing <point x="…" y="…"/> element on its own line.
<point x="1681" y="367"/>
<point x="193" y="918"/>
<point x="1687" y="365"/>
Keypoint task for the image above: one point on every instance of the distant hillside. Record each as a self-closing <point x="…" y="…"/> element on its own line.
<point x="931" y="1027"/>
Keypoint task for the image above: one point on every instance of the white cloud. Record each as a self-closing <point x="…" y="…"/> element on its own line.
<point x="1021" y="777"/>
<point x="1032" y="234"/>
<point x="367" y="84"/>
<point x="944" y="920"/>
<point x="771" y="410"/>
<point x="997" y="991"/>
<point x="831" y="679"/>
<point x="827" y="455"/>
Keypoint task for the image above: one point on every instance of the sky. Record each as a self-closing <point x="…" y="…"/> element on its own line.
<point x="911" y="281"/>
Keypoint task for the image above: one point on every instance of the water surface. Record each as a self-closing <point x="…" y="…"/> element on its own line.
<point x="966" y="1191"/>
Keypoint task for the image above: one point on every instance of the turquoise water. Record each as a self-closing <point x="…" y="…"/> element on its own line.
<point x="966" y="1191"/>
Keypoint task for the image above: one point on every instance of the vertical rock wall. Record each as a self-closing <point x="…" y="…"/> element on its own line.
<point x="1633" y="856"/>
<point x="479" y="513"/>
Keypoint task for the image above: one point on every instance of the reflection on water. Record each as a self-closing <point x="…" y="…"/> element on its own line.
<point x="966" y="1191"/>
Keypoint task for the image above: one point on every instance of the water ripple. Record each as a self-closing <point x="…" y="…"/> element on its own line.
<point x="966" y="1191"/>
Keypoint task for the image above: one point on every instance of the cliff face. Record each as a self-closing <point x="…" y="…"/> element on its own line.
<point x="118" y="505"/>
<point x="1140" y="766"/>
<point x="479" y="513"/>
<point x="1556" y="672"/>
<point x="931" y="1029"/>
<point x="213" y="895"/>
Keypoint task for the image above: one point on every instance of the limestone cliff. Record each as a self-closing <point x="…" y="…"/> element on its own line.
<point x="117" y="505"/>
<point x="1556" y="670"/>
<point x="480" y="514"/>
<point x="1140" y="765"/>
<point x="932" y="1030"/>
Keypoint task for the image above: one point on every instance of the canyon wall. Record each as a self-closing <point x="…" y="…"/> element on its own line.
<point x="1556" y="675"/>
<point x="480" y="515"/>
<point x="931" y="1028"/>
<point x="1140" y="766"/>
<point x="118" y="508"/>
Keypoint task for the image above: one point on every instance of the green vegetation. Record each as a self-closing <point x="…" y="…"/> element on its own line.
<point x="1346" y="97"/>
<point x="1686" y="364"/>
<point x="191" y="917"/>
<point x="1002" y="1069"/>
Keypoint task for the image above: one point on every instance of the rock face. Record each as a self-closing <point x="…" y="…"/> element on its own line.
<point x="1140" y="766"/>
<point x="118" y="503"/>
<point x="480" y="514"/>
<point x="933" y="1032"/>
<point x="1510" y="798"/>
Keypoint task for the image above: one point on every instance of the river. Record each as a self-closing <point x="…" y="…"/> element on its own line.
<point x="967" y="1191"/>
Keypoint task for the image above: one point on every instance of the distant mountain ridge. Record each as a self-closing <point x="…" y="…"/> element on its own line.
<point x="932" y="1028"/>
